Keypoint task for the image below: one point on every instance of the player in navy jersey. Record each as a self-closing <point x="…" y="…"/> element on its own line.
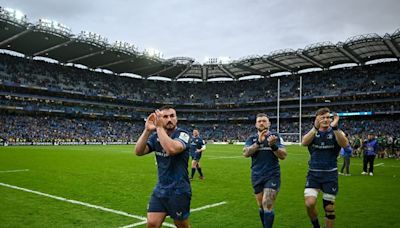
<point x="264" y="148"/>
<point x="324" y="142"/>
<point x="370" y="150"/>
<point x="197" y="146"/>
<point x="172" y="194"/>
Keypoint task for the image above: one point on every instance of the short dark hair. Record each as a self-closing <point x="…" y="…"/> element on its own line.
<point x="164" y="107"/>
<point x="261" y="115"/>
<point x="322" y="111"/>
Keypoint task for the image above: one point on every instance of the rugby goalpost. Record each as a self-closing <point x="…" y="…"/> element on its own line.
<point x="294" y="134"/>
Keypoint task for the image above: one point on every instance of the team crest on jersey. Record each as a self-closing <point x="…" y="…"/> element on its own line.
<point x="317" y="135"/>
<point x="185" y="137"/>
<point x="329" y="136"/>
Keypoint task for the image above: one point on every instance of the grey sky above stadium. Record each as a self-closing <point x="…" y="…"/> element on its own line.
<point x="209" y="28"/>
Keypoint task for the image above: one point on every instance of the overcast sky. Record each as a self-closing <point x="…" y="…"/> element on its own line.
<point x="214" y="28"/>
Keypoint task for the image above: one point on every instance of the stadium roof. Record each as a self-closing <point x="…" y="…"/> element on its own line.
<point x="53" y="40"/>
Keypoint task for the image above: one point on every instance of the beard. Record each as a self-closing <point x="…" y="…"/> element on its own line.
<point x="262" y="128"/>
<point x="170" y="126"/>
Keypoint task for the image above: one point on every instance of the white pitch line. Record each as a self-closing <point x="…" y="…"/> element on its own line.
<point x="80" y="203"/>
<point x="379" y="164"/>
<point x="191" y="210"/>
<point x="134" y="224"/>
<point x="14" y="171"/>
<point x="208" y="206"/>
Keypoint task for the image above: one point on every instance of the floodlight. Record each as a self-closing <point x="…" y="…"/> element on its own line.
<point x="53" y="26"/>
<point x="125" y="47"/>
<point x="93" y="38"/>
<point x="151" y="52"/>
<point x="12" y="15"/>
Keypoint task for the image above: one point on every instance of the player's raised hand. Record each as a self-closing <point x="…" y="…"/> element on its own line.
<point x="272" y="140"/>
<point x="335" y="121"/>
<point x="158" y="122"/>
<point x="317" y="122"/>
<point x="150" y="122"/>
<point x="261" y="135"/>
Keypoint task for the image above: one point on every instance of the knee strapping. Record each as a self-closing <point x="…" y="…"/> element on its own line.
<point x="329" y="208"/>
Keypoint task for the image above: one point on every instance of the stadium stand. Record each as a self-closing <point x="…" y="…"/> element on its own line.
<point x="58" y="102"/>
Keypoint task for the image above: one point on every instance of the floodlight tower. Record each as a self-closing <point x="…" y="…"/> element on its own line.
<point x="93" y="39"/>
<point x="13" y="16"/>
<point x="53" y="27"/>
<point x="125" y="47"/>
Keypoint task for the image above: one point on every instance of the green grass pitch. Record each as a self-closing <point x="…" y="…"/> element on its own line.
<point x="113" y="177"/>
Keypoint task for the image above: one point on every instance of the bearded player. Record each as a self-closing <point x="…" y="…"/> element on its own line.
<point x="265" y="148"/>
<point x="172" y="194"/>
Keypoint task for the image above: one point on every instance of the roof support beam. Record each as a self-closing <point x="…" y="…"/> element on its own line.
<point x="85" y="56"/>
<point x="8" y="40"/>
<point x="52" y="48"/>
<point x="349" y="54"/>
<point x="392" y="47"/>
<point x="276" y="64"/>
<point x="252" y="70"/>
<point x="188" y="67"/>
<point x="115" y="63"/>
<point x="204" y="72"/>
<point x="160" y="71"/>
<point x="228" y="72"/>
<point x="311" y="60"/>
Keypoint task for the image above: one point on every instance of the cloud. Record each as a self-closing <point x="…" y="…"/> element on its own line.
<point x="234" y="28"/>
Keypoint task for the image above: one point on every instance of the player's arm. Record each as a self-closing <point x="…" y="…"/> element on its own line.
<point x="171" y="146"/>
<point x="339" y="134"/>
<point x="308" y="138"/>
<point x="280" y="153"/>
<point x="203" y="148"/>
<point x="251" y="148"/>
<point x="276" y="147"/>
<point x="141" y="147"/>
<point x="341" y="138"/>
<point x="248" y="151"/>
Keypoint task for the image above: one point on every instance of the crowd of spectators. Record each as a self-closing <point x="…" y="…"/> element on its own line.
<point x="372" y="88"/>
<point x="382" y="78"/>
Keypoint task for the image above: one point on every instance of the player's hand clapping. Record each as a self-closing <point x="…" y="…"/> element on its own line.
<point x="335" y="121"/>
<point x="150" y="122"/>
<point x="261" y="136"/>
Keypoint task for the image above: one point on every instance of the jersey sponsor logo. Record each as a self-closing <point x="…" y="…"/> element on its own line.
<point x="323" y="146"/>
<point x="317" y="135"/>
<point x="162" y="154"/>
<point x="184" y="137"/>
<point x="330" y="136"/>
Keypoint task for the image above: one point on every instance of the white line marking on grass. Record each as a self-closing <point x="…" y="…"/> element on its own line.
<point x="379" y="164"/>
<point x="134" y="224"/>
<point x="208" y="206"/>
<point x="191" y="210"/>
<point x="80" y="203"/>
<point x="14" y="171"/>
